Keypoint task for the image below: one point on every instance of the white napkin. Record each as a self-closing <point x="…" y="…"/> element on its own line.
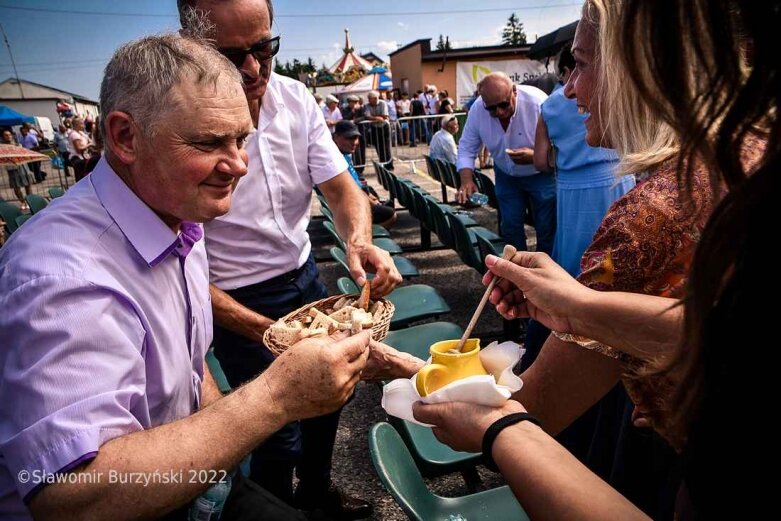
<point x="492" y="389"/>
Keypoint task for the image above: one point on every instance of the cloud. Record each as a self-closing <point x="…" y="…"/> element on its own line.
<point x="403" y="25"/>
<point x="387" y="47"/>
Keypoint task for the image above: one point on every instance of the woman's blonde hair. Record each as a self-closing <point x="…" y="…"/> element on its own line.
<point x="641" y="137"/>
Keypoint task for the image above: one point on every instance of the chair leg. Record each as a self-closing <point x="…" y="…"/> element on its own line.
<point x="425" y="237"/>
<point x="472" y="480"/>
<point x="444" y="192"/>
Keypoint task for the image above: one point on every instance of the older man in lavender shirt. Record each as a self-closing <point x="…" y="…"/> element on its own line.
<point x="107" y="317"/>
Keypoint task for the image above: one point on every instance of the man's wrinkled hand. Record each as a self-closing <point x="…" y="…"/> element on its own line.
<point x="386" y="363"/>
<point x="367" y="257"/>
<point x="316" y="376"/>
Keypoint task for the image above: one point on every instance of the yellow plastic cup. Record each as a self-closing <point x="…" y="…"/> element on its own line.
<point x="446" y="367"/>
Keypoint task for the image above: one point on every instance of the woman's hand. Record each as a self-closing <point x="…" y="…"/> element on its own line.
<point x="462" y="425"/>
<point x="535" y="286"/>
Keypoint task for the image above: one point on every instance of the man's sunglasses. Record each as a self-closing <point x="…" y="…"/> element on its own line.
<point x="504" y="105"/>
<point x="261" y="51"/>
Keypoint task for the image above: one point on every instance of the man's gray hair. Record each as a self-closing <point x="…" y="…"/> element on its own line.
<point x="373" y="94"/>
<point x="140" y="76"/>
<point x="188" y="7"/>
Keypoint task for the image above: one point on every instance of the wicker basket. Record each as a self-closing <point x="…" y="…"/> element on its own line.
<point x="379" y="329"/>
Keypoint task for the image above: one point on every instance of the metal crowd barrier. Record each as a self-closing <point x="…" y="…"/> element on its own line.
<point x="406" y="139"/>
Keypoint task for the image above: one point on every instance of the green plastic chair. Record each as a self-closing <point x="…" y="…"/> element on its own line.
<point x="406" y="269"/>
<point x="56" y="191"/>
<point x="383" y="243"/>
<point x="416" y="340"/>
<point x="488" y="246"/>
<point x="377" y="230"/>
<point x="449" y="172"/>
<point x="36" y="203"/>
<point x="413" y="303"/>
<point x="22" y="219"/>
<point x="466" y="242"/>
<point x="398" y="474"/>
<point x="8" y="213"/>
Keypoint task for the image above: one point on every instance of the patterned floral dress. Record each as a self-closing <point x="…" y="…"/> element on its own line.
<point x="646" y="244"/>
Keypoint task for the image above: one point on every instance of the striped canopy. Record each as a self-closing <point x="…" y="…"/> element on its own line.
<point x="349" y="59"/>
<point x="16" y="155"/>
<point x="374" y="81"/>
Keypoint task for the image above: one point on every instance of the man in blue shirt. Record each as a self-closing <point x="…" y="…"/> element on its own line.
<point x="30" y="142"/>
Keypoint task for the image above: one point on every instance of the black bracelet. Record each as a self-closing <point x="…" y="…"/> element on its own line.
<point x="493" y="431"/>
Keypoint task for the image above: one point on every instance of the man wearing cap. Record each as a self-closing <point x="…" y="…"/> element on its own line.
<point x="260" y="259"/>
<point x="346" y="137"/>
<point x="331" y="112"/>
<point x="443" y="144"/>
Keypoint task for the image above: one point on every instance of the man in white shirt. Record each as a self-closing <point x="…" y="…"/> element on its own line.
<point x="331" y="112"/>
<point x="443" y="144"/>
<point x="504" y="119"/>
<point x="260" y="259"/>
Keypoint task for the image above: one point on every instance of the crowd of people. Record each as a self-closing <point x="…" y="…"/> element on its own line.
<point x="77" y="141"/>
<point x="112" y="296"/>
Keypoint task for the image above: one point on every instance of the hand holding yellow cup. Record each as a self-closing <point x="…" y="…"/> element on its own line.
<point x="447" y="366"/>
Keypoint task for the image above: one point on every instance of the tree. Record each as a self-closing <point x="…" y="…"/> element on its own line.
<point x="444" y="44"/>
<point x="296" y="69"/>
<point x="513" y="32"/>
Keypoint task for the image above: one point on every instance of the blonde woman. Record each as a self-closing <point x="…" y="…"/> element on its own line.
<point x="645" y="245"/>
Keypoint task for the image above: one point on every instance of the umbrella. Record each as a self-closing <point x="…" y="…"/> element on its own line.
<point x="550" y="44"/>
<point x="16" y="155"/>
<point x="380" y="79"/>
<point x="9" y="117"/>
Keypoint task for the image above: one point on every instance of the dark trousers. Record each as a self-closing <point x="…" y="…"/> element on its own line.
<point x="307" y="445"/>
<point x="514" y="195"/>
<point x="38" y="174"/>
<point x="379" y="136"/>
<point x="359" y="156"/>
<point x="65" y="162"/>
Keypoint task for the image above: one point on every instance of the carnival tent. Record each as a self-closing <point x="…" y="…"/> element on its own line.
<point x="377" y="79"/>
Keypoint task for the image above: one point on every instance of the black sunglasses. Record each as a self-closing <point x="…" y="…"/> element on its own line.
<point x="261" y="51"/>
<point x="504" y="105"/>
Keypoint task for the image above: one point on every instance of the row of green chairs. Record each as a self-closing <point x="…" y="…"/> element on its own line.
<point x="377" y="230"/>
<point x="454" y="230"/>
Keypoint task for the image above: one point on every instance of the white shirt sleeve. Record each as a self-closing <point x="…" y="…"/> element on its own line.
<point x="470" y="143"/>
<point x="325" y="160"/>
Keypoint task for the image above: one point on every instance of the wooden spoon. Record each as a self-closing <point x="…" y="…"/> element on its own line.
<point x="508" y="253"/>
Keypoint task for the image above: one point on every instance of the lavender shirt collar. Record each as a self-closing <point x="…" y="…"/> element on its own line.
<point x="145" y="231"/>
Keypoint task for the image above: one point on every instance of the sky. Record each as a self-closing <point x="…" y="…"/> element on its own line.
<point x="67" y="43"/>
